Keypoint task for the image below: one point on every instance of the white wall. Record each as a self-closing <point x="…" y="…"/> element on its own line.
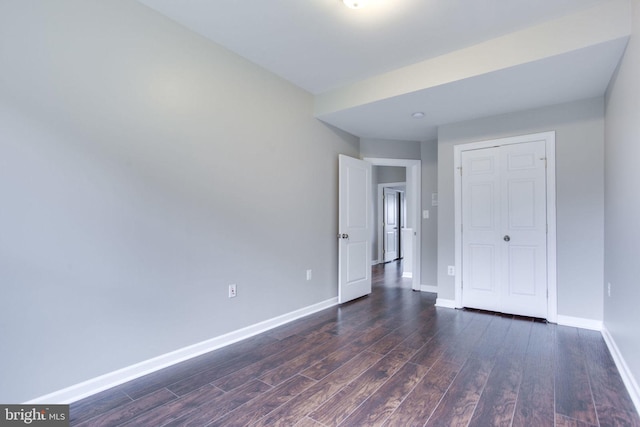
<point x="579" y="130"/>
<point x="142" y="170"/>
<point x="622" y="197"/>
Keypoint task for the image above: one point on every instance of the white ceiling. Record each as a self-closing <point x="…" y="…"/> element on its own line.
<point x="329" y="50"/>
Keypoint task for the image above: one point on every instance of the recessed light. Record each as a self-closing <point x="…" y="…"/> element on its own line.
<point x="354" y="4"/>
<point x="418" y="115"/>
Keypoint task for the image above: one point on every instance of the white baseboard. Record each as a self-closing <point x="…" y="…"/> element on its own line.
<point x="112" y="379"/>
<point x="429" y="288"/>
<point x="446" y="303"/>
<point x="375" y="262"/>
<point x="627" y="377"/>
<point x="579" y="322"/>
<point x="407" y="275"/>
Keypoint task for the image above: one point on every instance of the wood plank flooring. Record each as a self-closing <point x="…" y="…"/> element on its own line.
<point x="389" y="359"/>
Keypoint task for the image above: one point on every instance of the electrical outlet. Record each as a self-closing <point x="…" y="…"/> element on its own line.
<point x="308" y="274"/>
<point x="608" y="289"/>
<point x="451" y="270"/>
<point x="232" y="291"/>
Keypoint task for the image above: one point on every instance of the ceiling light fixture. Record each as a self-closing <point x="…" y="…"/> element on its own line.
<point x="418" y="115"/>
<point x="354" y="4"/>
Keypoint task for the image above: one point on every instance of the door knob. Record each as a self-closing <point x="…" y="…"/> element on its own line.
<point x="345" y="236"/>
<point x="506" y="238"/>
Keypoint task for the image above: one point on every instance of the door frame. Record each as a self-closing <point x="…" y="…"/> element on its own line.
<point x="550" y="143"/>
<point x="414" y="205"/>
<point x="380" y="226"/>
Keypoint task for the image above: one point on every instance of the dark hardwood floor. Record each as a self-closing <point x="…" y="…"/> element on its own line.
<point x="391" y="359"/>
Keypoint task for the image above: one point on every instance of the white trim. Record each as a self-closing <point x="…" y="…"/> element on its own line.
<point x="407" y="274"/>
<point x="550" y="140"/>
<point x="429" y="288"/>
<point x="446" y="303"/>
<point x="414" y="205"/>
<point x="112" y="379"/>
<point x="627" y="377"/>
<point x="375" y="262"/>
<point x="552" y="285"/>
<point x="579" y="322"/>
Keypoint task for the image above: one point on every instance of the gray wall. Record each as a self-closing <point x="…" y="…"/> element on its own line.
<point x="579" y="130"/>
<point x="429" y="227"/>
<point x="390" y="174"/>
<point x="142" y="170"/>
<point x="622" y="197"/>
<point x="389" y="149"/>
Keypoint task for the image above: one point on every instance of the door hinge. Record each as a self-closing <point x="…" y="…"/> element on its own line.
<point x="460" y="169"/>
<point x="545" y="161"/>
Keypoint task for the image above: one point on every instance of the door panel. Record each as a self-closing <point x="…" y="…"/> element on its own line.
<point x="354" y="222"/>
<point x="356" y="262"/>
<point x="521" y="195"/>
<point x="522" y="270"/>
<point x="356" y="178"/>
<point x="482" y="215"/>
<point x="504" y="229"/>
<point x="482" y="290"/>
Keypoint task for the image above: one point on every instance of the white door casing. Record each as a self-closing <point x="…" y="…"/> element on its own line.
<point x="413" y="210"/>
<point x="391" y="224"/>
<point x="354" y="229"/>
<point x="505" y="190"/>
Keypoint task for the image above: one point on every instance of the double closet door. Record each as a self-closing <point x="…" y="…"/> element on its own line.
<point x="504" y="229"/>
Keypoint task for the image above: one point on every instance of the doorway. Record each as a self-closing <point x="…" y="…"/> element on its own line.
<point x="413" y="205"/>
<point x="505" y="225"/>
<point x="384" y="209"/>
<point x="392" y="223"/>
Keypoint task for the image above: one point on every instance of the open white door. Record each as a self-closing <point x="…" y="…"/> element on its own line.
<point x="354" y="232"/>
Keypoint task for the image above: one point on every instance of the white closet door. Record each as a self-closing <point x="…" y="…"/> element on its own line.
<point x="504" y="229"/>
